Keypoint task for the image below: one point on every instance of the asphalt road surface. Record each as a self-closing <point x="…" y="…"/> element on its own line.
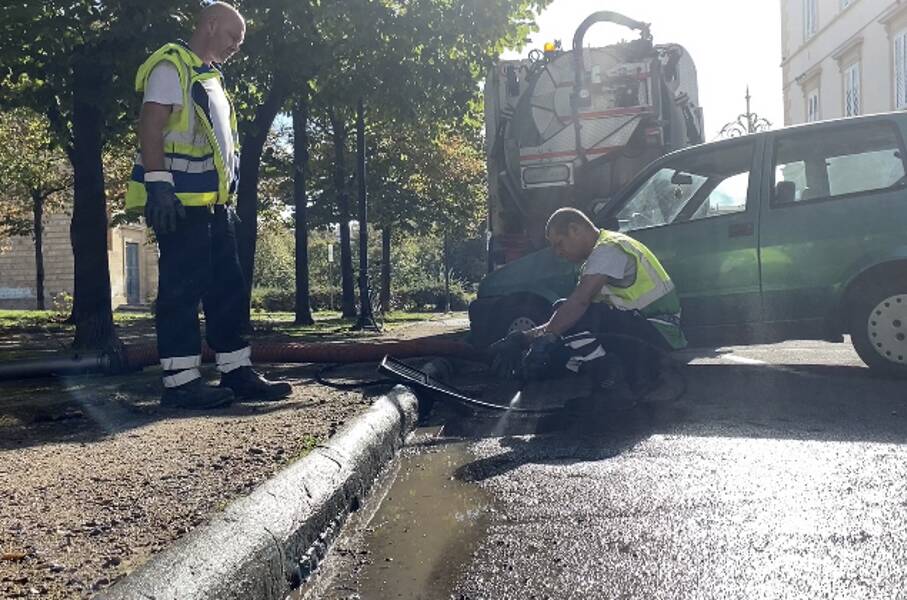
<point x="780" y="473"/>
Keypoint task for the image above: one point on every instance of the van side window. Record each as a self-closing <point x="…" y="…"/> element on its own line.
<point x="836" y="162"/>
<point x="692" y="186"/>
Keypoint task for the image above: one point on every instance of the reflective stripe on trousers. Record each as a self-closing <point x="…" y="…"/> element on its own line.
<point x="230" y="361"/>
<point x="181" y="378"/>
<point x="583" y="347"/>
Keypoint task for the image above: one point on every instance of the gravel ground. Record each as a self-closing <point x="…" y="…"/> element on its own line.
<point x="95" y="477"/>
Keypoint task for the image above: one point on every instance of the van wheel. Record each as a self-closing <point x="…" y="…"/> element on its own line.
<point x="519" y="315"/>
<point x="878" y="327"/>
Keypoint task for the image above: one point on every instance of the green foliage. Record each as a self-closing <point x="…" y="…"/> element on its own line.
<point x="62" y="304"/>
<point x="32" y="169"/>
<point x="418" y="281"/>
<point x="426" y="297"/>
<point x="275" y="258"/>
<point x="284" y="299"/>
<point x="416" y="58"/>
<point x="53" y="53"/>
<point x="430" y="297"/>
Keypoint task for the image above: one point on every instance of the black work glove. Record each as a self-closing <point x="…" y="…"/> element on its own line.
<point x="546" y="359"/>
<point x="163" y="208"/>
<point x="507" y="353"/>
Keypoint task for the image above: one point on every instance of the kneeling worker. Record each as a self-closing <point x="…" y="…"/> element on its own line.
<point x="624" y="307"/>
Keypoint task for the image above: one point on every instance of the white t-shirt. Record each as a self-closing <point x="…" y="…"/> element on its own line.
<point x="163" y="87"/>
<point x="610" y="261"/>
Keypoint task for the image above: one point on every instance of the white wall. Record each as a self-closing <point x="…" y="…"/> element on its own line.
<point x="862" y="29"/>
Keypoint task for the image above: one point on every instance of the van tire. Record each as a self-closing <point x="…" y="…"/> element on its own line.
<point x="878" y="327"/>
<point x="518" y="313"/>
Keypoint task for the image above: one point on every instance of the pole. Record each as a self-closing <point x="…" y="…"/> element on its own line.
<point x="366" y="318"/>
<point x="750" y="125"/>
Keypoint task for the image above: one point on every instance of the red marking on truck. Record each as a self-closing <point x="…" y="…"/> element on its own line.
<point x="566" y="154"/>
<point x="615" y="112"/>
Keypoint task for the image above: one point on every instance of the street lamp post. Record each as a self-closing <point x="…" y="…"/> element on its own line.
<point x="745" y="124"/>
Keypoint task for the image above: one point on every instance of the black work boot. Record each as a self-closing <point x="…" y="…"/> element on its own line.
<point x="610" y="389"/>
<point x="196" y="395"/>
<point x="249" y="385"/>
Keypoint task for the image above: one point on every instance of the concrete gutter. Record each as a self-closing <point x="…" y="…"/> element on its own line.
<point x="266" y="543"/>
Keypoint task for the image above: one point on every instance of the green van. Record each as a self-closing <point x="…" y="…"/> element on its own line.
<point x="799" y="233"/>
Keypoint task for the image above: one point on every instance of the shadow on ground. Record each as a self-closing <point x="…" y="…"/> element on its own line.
<point x="87" y="408"/>
<point x="794" y="402"/>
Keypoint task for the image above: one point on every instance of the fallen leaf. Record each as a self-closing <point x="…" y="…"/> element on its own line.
<point x="14" y="556"/>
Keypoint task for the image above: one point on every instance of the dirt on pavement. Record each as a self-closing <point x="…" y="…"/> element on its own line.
<point x="95" y="477"/>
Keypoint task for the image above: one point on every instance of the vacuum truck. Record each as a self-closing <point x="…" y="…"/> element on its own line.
<point x="570" y="128"/>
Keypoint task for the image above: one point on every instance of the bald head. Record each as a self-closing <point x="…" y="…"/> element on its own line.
<point x="571" y="234"/>
<point x="218" y="11"/>
<point x="562" y="218"/>
<point x="219" y="32"/>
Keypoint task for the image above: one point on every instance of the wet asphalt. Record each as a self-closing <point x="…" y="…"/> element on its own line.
<point x="780" y="473"/>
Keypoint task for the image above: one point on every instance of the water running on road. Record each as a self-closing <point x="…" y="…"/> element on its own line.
<point x="427" y="525"/>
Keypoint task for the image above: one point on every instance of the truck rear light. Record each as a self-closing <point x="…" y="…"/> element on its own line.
<point x="548" y="175"/>
<point x="509" y="247"/>
<point x="654" y="137"/>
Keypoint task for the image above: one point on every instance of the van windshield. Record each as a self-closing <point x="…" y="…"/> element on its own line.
<point x="692" y="186"/>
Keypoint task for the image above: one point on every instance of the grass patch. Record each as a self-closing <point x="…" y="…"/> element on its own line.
<point x="326" y="322"/>
<point x="308" y="444"/>
<point x="330" y="322"/>
<point x="33" y="320"/>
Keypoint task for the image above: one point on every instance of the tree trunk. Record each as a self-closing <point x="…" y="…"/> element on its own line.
<point x="38" y="207"/>
<point x="92" y="312"/>
<point x="300" y="168"/>
<point x="446" y="275"/>
<point x="366" y="319"/>
<point x="348" y="299"/>
<point x="255" y="135"/>
<point x="385" y="269"/>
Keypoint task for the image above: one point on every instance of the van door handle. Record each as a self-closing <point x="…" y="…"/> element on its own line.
<point x="741" y="230"/>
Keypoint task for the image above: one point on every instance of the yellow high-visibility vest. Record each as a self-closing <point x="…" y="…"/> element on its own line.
<point x="651" y="293"/>
<point x="191" y="151"/>
<point x="651" y="283"/>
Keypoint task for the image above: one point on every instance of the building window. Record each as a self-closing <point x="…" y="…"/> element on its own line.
<point x="900" y="70"/>
<point x="852" y="90"/>
<point x="810" y="18"/>
<point x="812" y="106"/>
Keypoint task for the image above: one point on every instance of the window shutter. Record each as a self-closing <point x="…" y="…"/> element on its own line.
<point x="900" y="70"/>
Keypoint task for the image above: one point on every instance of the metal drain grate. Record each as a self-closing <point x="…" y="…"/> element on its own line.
<point x="404" y="373"/>
<point x="407" y="374"/>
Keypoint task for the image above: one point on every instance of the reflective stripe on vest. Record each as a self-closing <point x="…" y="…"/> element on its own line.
<point x="651" y="284"/>
<point x="191" y="151"/>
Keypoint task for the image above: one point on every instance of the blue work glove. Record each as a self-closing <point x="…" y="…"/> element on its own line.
<point x="162" y="208"/>
<point x="507" y="354"/>
<point x="546" y="359"/>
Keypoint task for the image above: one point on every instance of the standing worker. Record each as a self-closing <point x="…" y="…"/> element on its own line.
<point x="184" y="177"/>
<point x="624" y="307"/>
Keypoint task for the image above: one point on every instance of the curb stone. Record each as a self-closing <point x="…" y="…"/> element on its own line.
<point x="264" y="544"/>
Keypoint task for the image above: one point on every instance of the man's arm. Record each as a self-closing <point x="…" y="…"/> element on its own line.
<point x="152" y="121"/>
<point x="571" y="311"/>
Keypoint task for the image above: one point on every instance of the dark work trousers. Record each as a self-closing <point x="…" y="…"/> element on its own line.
<point x="618" y="331"/>
<point x="199" y="263"/>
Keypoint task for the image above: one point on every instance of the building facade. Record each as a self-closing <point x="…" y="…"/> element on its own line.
<point x="843" y="58"/>
<point x="131" y="256"/>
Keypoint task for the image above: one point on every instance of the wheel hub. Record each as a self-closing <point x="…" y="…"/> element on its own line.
<point x="525" y="324"/>
<point x="887" y="328"/>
